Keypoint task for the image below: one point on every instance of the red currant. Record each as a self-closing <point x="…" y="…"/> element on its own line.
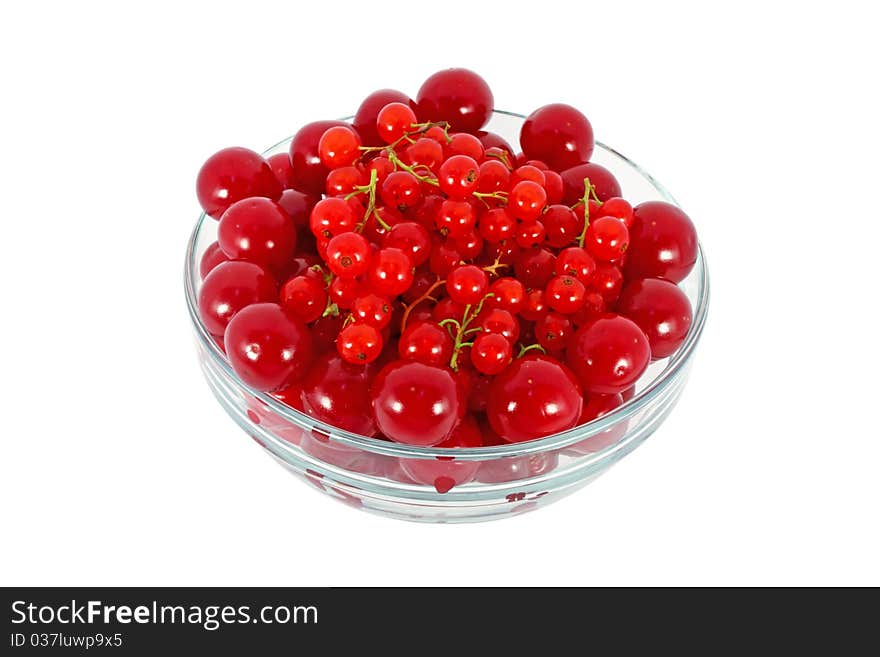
<point x="365" y="118"/>
<point x="500" y="321"/>
<point x="343" y="180"/>
<point x="372" y="309"/>
<point x="617" y="207"/>
<point x="462" y="143"/>
<point x="607" y="238"/>
<point x="426" y="342"/>
<point x="331" y="216"/>
<point x="401" y="190"/>
<point x="412" y="239"/>
<point x="491" y="353"/>
<point x="496" y="225"/>
<point x="553" y="331"/>
<point x="574" y="261"/>
<point x="304" y="297"/>
<point x="467" y="284"/>
<point x="348" y="255"/>
<point x="459" y="176"/>
<point x="339" y="146"/>
<point x="344" y="291"/>
<point x="508" y="294"/>
<point x="393" y="121"/>
<point x="527" y="200"/>
<point x="425" y="152"/>
<point x="531" y="234"/>
<point x="565" y="294"/>
<point x="309" y="173"/>
<point x="456" y="218"/>
<point x="534" y="268"/>
<point x="391" y="272"/>
<point x="359" y="344"/>
<point x="562" y="224"/>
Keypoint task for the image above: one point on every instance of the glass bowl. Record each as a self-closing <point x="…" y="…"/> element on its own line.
<point x="486" y="482"/>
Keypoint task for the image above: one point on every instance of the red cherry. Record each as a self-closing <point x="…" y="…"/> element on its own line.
<point x="446" y="472"/>
<point x="663" y="243"/>
<point x="359" y="344"/>
<point x="231" y="175"/>
<point x="559" y="135"/>
<point x="458" y="96"/>
<point x="491" y="353"/>
<point x="267" y="347"/>
<point x="535" y="396"/>
<point x="595" y="407"/>
<point x="603" y="181"/>
<point x="609" y="354"/>
<point x="298" y="206"/>
<point x="257" y="230"/>
<point x="230" y="287"/>
<point x="281" y="167"/>
<point x="417" y="404"/>
<point x="338" y="393"/>
<point x="212" y="257"/>
<point x="426" y="342"/>
<point x="661" y="310"/>
<point x="348" y="255"/>
<point x="467" y="284"/>
<point x="304" y="297"/>
<point x="502" y="470"/>
<point x="365" y="118"/>
<point x="309" y="173"/>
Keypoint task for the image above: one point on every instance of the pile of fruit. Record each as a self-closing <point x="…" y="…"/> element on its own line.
<point x="412" y="277"/>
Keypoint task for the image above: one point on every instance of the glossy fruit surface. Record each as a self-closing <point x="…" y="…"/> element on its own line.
<point x="609" y="354"/>
<point x="233" y="174"/>
<point x="309" y="173"/>
<point x="267" y="347"/>
<point x="603" y="181"/>
<point x="417" y="404"/>
<point x="663" y="243"/>
<point x="338" y="394"/>
<point x="535" y="396"/>
<point x="559" y="135"/>
<point x="458" y="96"/>
<point x="257" y="230"/>
<point x="426" y="342"/>
<point x="445" y="473"/>
<point x="304" y="297"/>
<point x="661" y="310"/>
<point x="365" y="118"/>
<point x="230" y="287"/>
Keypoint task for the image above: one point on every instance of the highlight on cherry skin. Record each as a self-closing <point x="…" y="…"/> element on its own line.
<point x="410" y="277"/>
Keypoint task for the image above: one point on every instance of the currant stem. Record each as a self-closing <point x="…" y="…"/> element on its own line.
<point x="495" y="266"/>
<point x="463" y="331"/>
<point x="585" y="200"/>
<point x="424" y="297"/>
<point x="523" y="350"/>
<point x="484" y="195"/>
<point x="397" y="162"/>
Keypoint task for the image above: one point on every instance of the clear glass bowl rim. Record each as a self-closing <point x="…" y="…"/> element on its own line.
<point x="555" y="441"/>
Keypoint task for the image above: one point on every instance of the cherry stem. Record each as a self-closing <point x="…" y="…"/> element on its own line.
<point x="585" y="200"/>
<point x="425" y="296"/>
<point x="524" y="349"/>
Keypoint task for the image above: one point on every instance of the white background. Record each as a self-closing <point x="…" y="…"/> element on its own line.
<point x="119" y="468"/>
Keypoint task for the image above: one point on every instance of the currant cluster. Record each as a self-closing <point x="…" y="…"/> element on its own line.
<point x="411" y="276"/>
